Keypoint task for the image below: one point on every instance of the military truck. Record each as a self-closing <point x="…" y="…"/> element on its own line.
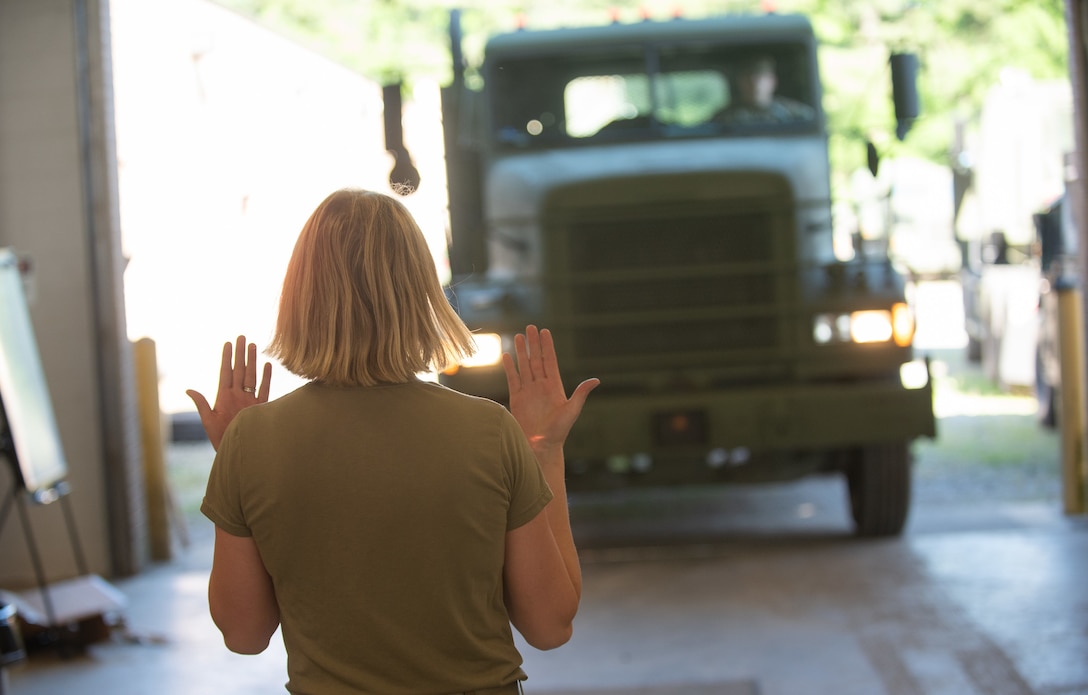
<point x="599" y="187"/>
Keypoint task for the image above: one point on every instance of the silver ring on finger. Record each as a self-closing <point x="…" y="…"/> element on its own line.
<point x="249" y="389"/>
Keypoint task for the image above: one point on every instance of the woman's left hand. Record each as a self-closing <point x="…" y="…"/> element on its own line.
<point x="237" y="389"/>
<point x="537" y="399"/>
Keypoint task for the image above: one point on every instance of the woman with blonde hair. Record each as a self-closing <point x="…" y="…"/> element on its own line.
<point x="391" y="528"/>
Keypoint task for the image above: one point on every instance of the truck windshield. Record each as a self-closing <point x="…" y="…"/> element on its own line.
<point x="652" y="92"/>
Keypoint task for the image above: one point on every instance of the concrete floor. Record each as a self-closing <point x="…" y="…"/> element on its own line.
<point x="751" y="592"/>
<point x="729" y="592"/>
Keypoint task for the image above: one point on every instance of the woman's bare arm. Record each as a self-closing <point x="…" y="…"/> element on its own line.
<point x="241" y="597"/>
<point x="543" y="576"/>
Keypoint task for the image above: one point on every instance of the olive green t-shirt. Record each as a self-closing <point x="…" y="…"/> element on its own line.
<point x="381" y="515"/>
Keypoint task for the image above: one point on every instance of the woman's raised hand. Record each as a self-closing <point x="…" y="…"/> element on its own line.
<point x="537" y="398"/>
<point x="237" y="389"/>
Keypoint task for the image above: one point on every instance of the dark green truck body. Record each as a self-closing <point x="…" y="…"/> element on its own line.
<point x="686" y="262"/>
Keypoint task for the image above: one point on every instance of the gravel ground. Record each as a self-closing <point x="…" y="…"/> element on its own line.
<point x="989" y="444"/>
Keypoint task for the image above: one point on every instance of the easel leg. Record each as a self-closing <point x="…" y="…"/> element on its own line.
<point x="73" y="535"/>
<point x="7" y="508"/>
<point x="54" y="634"/>
<point x="39" y="570"/>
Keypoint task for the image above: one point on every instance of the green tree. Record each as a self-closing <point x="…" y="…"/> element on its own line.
<point x="963" y="46"/>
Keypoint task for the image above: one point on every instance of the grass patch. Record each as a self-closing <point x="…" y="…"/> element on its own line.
<point x="981" y="426"/>
<point x="992" y="441"/>
<point x="187" y="468"/>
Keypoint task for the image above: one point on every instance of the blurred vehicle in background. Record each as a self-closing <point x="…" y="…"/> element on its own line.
<point x="1001" y="300"/>
<point x="1008" y="169"/>
<point x="1057" y="235"/>
<point x="909" y="203"/>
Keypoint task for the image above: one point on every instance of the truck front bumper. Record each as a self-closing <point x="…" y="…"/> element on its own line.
<point x="757" y="419"/>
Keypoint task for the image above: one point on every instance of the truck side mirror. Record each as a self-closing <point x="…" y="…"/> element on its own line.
<point x="872" y="157"/>
<point x="904" y="67"/>
<point x="404" y="177"/>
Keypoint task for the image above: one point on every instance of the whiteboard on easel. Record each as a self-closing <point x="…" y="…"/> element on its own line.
<point x="27" y="409"/>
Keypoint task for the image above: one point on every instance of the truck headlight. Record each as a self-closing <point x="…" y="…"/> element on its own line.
<point x="870" y="326"/>
<point x="902" y="324"/>
<point x="488" y="353"/>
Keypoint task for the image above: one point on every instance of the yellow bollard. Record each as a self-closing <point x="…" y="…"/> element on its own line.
<point x="1073" y="425"/>
<point x="151" y="433"/>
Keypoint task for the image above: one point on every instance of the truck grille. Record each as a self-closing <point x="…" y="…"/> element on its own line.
<point x="647" y="285"/>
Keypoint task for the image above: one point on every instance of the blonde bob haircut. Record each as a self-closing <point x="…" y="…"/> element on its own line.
<point x="361" y="302"/>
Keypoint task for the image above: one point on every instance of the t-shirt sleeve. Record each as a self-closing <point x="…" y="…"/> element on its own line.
<point x="222" y="498"/>
<point x="529" y="491"/>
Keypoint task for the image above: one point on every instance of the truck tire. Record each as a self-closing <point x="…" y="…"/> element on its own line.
<point x="878" y="481"/>
<point x="974" y="350"/>
<point x="1046" y="397"/>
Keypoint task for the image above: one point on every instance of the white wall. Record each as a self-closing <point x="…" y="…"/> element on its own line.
<point x="228" y="137"/>
<point x="46" y="214"/>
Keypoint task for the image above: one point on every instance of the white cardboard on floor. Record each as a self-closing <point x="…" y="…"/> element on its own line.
<point x="71" y="599"/>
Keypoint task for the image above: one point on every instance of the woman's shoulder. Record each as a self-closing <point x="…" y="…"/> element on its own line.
<point x="422" y="398"/>
<point x="459" y="399"/>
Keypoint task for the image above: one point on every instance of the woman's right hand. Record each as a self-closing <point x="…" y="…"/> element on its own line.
<point x="237" y="389"/>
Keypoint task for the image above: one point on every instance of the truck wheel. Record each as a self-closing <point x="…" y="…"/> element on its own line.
<point x="974" y="350"/>
<point x="1046" y="396"/>
<point x="878" y="480"/>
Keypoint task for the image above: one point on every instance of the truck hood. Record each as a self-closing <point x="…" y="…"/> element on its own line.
<point x="517" y="183"/>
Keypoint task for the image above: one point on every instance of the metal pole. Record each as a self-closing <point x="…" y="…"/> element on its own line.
<point x="1071" y="349"/>
<point x="1070" y="305"/>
